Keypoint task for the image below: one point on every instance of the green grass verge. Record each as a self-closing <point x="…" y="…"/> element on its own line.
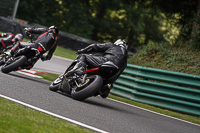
<point x="66" y="53"/>
<point x="15" y="118"/>
<point x="194" y="119"/>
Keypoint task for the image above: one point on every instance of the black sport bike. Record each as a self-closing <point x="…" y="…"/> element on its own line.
<point x="23" y="60"/>
<point x="91" y="83"/>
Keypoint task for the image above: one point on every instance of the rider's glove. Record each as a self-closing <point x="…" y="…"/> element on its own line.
<point x="86" y="50"/>
<point x="80" y="51"/>
<point x="13" y="40"/>
<point x="27" y="30"/>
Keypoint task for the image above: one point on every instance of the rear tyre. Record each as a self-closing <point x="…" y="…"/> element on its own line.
<point x="89" y="88"/>
<point x="18" y="61"/>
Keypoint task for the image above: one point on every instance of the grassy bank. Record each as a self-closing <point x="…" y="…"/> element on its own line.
<point x="167" y="57"/>
<point x="15" y="118"/>
<point x="160" y="56"/>
<point x="66" y="53"/>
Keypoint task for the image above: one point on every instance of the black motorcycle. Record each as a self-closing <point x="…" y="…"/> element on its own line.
<point x="91" y="83"/>
<point x="22" y="60"/>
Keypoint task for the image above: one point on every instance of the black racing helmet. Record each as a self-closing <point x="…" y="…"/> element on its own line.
<point x="54" y="30"/>
<point x="121" y="43"/>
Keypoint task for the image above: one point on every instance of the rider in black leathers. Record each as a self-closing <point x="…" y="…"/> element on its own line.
<point x="116" y="53"/>
<point x="8" y="39"/>
<point x="46" y="41"/>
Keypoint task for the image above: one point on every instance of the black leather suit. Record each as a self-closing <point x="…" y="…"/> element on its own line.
<point x="6" y="40"/>
<point x="46" y="41"/>
<point x="111" y="52"/>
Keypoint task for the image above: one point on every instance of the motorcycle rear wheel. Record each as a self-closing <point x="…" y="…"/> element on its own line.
<point x="19" y="61"/>
<point x="88" y="89"/>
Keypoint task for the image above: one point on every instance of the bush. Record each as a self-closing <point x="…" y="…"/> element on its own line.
<point x="166" y="57"/>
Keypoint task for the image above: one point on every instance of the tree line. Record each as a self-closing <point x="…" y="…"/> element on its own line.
<point x="138" y="21"/>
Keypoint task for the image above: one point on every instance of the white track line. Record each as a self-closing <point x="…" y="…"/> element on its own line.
<point x="55" y="115"/>
<point x="155" y="112"/>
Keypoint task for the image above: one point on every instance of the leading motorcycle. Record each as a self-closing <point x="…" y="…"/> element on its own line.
<point x="91" y="83"/>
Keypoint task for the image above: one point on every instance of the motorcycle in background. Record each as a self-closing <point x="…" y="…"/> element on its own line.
<point x="19" y="61"/>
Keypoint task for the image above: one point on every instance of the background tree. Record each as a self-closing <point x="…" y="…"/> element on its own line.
<point x="138" y="21"/>
<point x="187" y="10"/>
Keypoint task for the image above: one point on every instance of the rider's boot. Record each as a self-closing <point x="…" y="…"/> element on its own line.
<point x="8" y="53"/>
<point x="105" y="90"/>
<point x="79" y="68"/>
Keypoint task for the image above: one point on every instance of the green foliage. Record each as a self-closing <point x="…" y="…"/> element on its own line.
<point x="139" y="22"/>
<point x="167" y="57"/>
<point x="6" y="8"/>
<point x="188" y="12"/>
<point x="46" y="15"/>
<point x="98" y="20"/>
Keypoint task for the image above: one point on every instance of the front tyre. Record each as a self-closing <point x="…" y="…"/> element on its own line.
<point x="54" y="86"/>
<point x="92" y="84"/>
<point x="14" y="65"/>
<point x="2" y="61"/>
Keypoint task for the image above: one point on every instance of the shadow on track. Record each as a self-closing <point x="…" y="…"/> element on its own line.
<point x="109" y="106"/>
<point x="97" y="101"/>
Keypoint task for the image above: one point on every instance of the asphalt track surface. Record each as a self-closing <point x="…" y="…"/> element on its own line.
<point x="56" y="65"/>
<point x="105" y="114"/>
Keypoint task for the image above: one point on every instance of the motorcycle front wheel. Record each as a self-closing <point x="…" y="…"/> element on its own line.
<point x="1" y="60"/>
<point x="54" y="86"/>
<point x="14" y="65"/>
<point x="92" y="84"/>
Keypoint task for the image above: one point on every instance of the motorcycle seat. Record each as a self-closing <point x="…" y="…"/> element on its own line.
<point x="109" y="65"/>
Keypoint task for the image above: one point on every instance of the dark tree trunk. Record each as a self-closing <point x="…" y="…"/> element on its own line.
<point x="195" y="30"/>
